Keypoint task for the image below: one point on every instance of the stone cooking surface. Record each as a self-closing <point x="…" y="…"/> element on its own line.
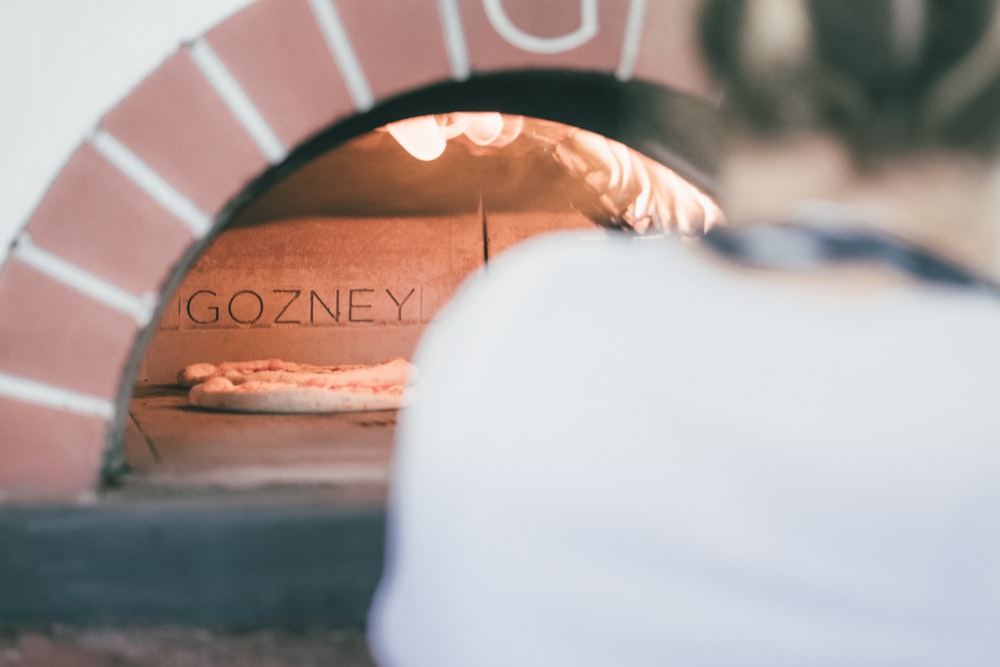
<point x="171" y="443"/>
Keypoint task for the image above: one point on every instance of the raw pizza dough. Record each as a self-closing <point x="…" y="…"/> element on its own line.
<point x="278" y="386"/>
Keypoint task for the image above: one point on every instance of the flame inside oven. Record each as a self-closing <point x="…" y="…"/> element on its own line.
<point x="623" y="188"/>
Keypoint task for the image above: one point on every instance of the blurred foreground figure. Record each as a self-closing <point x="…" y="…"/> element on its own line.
<point x="777" y="446"/>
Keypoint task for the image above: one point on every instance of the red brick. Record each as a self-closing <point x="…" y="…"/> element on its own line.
<point x="48" y="454"/>
<point x="54" y="334"/>
<point x="400" y="49"/>
<point x="177" y="124"/>
<point x="96" y="218"/>
<point x="668" y="52"/>
<point x="276" y="51"/>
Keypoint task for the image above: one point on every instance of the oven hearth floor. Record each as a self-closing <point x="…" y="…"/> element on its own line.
<point x="170" y="443"/>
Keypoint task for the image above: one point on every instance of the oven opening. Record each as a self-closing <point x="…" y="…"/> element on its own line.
<point x="346" y="259"/>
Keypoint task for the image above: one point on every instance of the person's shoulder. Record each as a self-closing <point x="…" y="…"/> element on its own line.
<point x="554" y="252"/>
<point x="581" y="257"/>
<point x="569" y="286"/>
<point x="566" y="277"/>
<point x="585" y="246"/>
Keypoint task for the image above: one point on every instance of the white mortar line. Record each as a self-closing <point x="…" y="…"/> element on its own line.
<point x="39" y="393"/>
<point x="339" y="44"/>
<point x="232" y="93"/>
<point x="253" y="476"/>
<point x="454" y="39"/>
<point x="631" y="41"/>
<point x="151" y="182"/>
<point x="139" y="307"/>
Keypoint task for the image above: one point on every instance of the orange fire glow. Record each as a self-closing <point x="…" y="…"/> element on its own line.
<point x="630" y="189"/>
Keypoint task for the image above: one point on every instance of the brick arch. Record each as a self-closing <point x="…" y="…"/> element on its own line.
<point x="81" y="285"/>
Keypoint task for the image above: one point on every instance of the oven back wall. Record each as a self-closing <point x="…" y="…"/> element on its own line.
<point x="314" y="290"/>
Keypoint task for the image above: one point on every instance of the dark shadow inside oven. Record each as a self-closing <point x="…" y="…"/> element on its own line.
<point x="344" y="252"/>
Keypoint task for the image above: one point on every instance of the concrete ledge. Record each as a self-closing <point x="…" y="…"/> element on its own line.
<point x="294" y="557"/>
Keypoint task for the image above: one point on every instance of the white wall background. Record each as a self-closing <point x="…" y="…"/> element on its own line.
<point x="63" y="64"/>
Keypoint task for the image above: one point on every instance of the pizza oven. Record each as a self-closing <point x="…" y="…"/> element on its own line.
<point x="311" y="181"/>
<point x="347" y="256"/>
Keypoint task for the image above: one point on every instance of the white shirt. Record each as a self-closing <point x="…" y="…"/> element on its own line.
<point x="621" y="454"/>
